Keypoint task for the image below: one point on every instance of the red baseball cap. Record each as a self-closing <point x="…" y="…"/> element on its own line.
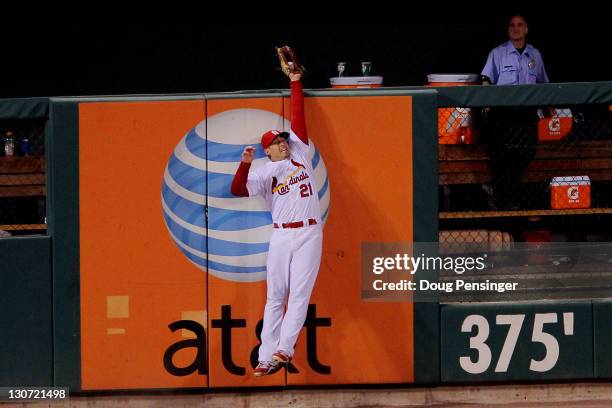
<point x="268" y="137"/>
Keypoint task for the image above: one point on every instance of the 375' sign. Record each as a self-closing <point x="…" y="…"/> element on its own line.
<point x="516" y="341"/>
<point x="515" y="323"/>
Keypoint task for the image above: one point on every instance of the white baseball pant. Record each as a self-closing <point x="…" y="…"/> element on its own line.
<point x="293" y="262"/>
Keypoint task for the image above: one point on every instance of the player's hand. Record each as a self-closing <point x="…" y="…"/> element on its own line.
<point x="248" y="154"/>
<point x="295" y="76"/>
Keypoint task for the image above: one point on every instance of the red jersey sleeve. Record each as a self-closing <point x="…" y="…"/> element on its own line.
<point x="298" y="121"/>
<point x="239" y="183"/>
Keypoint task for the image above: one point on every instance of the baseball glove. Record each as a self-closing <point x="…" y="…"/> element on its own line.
<point x="288" y="61"/>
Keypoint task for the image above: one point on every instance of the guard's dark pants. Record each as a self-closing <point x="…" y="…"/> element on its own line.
<point x="511" y="135"/>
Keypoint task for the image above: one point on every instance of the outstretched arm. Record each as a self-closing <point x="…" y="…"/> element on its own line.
<point x="298" y="121"/>
<point x="239" y="183"/>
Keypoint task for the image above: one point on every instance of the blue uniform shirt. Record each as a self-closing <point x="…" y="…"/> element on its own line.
<point x="506" y="66"/>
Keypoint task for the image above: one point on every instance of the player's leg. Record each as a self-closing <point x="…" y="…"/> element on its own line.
<point x="277" y="281"/>
<point x="302" y="276"/>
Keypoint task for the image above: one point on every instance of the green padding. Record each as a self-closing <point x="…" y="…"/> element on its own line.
<point x="246" y="95"/>
<point x="425" y="224"/>
<point x="26" y="354"/>
<point x="526" y="95"/>
<point x="426" y="343"/>
<point x="24" y="108"/>
<point x="63" y="217"/>
<point x="128" y="98"/>
<point x="602" y="335"/>
<point x="544" y="351"/>
<point x="425" y="166"/>
<point x="469" y="96"/>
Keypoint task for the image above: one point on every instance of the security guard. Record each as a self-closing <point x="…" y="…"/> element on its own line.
<point x="511" y="132"/>
<point x="515" y="62"/>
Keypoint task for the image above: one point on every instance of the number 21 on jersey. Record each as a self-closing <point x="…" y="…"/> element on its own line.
<point x="305" y="190"/>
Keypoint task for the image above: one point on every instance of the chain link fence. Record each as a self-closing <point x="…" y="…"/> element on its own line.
<point x="523" y="169"/>
<point x="534" y="175"/>
<point x="22" y="177"/>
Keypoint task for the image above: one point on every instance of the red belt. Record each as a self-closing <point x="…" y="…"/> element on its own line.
<point x="298" y="224"/>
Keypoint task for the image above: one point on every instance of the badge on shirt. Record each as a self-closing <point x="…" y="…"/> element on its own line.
<point x="531" y="63"/>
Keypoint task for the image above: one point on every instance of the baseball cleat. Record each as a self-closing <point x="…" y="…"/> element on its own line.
<point x="281" y="357"/>
<point x="266" y="368"/>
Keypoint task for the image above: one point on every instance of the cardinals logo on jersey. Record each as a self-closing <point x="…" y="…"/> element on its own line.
<point x="284" y="187"/>
<point x="281" y="189"/>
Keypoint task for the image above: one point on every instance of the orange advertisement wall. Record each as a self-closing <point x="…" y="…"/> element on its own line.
<point x="136" y="281"/>
<point x="248" y="119"/>
<point x="367" y="143"/>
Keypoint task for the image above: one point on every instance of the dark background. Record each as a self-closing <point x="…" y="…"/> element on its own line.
<point x="71" y="58"/>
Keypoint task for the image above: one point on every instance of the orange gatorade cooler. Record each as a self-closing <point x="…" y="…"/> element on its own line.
<point x="570" y="192"/>
<point x="556" y="127"/>
<point x="356" y="82"/>
<point x="454" y="124"/>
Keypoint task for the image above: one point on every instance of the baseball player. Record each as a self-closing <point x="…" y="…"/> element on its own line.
<point x="287" y="183"/>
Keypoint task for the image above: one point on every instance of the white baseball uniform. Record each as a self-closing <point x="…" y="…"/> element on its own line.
<point x="294" y="254"/>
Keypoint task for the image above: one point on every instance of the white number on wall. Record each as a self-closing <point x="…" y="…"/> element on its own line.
<point x="515" y="323"/>
<point x="549" y="341"/>
<point x="478" y="343"/>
